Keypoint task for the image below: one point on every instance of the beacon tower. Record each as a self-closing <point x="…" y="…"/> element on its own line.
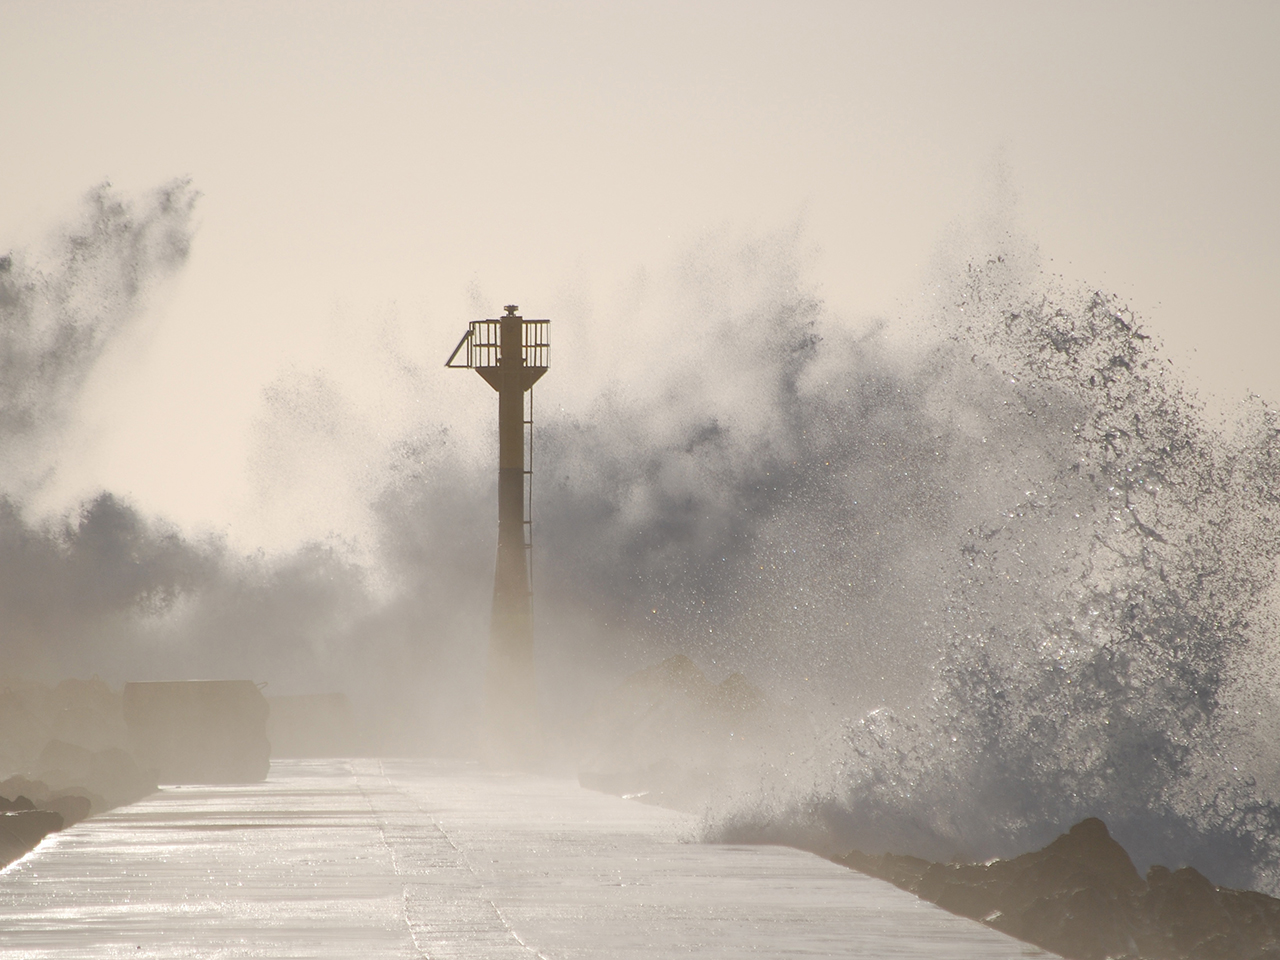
<point x="512" y="354"/>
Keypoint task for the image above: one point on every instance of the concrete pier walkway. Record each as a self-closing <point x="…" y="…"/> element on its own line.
<point x="419" y="859"/>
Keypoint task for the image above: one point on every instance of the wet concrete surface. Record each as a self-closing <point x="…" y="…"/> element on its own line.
<point x="382" y="858"/>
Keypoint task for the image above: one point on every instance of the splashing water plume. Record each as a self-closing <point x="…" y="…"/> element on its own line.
<point x="1112" y="565"/>
<point x="1006" y="566"/>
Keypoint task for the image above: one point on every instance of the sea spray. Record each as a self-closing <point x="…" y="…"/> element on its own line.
<point x="1005" y="566"/>
<point x="1095" y="624"/>
<point x="61" y="306"/>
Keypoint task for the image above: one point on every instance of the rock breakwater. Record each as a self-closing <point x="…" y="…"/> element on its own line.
<point x="1082" y="897"/>
<point x="62" y="759"/>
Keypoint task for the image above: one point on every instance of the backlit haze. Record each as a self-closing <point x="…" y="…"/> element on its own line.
<point x="385" y="172"/>
<point x="864" y="317"/>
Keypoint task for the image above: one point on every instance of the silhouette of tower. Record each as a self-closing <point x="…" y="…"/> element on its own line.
<point x="512" y="354"/>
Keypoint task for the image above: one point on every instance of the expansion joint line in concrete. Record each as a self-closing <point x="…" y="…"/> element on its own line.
<point x="395" y="861"/>
<point x="459" y="853"/>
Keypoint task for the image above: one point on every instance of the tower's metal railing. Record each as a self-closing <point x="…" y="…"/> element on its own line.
<point x="482" y="345"/>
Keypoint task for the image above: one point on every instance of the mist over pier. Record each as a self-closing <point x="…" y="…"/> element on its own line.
<point x="905" y="490"/>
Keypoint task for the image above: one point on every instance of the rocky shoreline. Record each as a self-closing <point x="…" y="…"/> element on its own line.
<point x="63" y="759"/>
<point x="74" y="784"/>
<point x="670" y="736"/>
<point x="22" y="827"/>
<point x="1082" y="897"/>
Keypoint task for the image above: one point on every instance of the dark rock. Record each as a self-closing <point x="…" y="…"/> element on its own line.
<point x="72" y="807"/>
<point x="66" y="741"/>
<point x="1090" y="845"/>
<point x="107" y="778"/>
<point x="23" y="787"/>
<point x="1188" y="917"/>
<point x="1081" y="897"/>
<point x="29" y="826"/>
<point x="21" y="831"/>
<point x="1072" y="897"/>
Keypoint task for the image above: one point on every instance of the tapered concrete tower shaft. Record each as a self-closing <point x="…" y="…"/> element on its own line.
<point x="511" y="353"/>
<point x="511" y="695"/>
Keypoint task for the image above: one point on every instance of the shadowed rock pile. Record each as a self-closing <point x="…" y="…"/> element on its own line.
<point x="39" y="808"/>
<point x="22" y="827"/>
<point x="68" y="778"/>
<point x="1081" y="897"/>
<point x="62" y="758"/>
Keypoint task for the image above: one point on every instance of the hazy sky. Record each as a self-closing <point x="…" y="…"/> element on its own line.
<point x="375" y="166"/>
